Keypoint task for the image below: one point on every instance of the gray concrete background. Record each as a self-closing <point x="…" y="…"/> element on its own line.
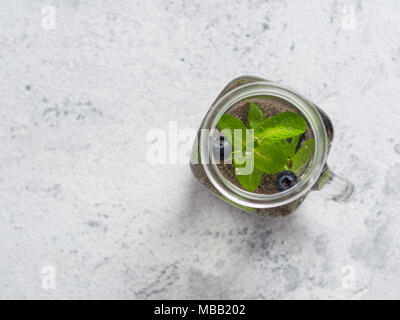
<point x="76" y="192"/>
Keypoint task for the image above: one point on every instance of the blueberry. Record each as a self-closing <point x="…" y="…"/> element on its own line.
<point x="285" y="180"/>
<point x="222" y="147"/>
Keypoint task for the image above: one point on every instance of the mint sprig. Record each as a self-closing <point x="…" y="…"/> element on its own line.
<point x="230" y="122"/>
<point x="270" y="157"/>
<point x="302" y="156"/>
<point x="275" y="143"/>
<point x="283" y="125"/>
<point x="251" y="181"/>
<point x="254" y="116"/>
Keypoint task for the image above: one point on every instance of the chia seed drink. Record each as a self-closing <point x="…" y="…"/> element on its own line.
<point x="269" y="198"/>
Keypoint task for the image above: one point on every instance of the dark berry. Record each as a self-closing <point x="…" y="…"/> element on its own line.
<point x="301" y="140"/>
<point x="222" y="147"/>
<point x="285" y="180"/>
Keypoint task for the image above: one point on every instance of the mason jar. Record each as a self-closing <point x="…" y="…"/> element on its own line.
<point x="317" y="176"/>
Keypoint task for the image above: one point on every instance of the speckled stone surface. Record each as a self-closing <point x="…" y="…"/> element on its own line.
<point x="77" y="193"/>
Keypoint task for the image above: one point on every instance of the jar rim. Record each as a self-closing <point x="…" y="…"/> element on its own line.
<point x="308" y="110"/>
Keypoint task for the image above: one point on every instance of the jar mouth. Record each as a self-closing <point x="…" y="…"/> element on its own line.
<point x="315" y="167"/>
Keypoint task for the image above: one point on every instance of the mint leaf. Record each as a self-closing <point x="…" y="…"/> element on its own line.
<point x="293" y="145"/>
<point x="272" y="151"/>
<point x="302" y="156"/>
<point x="254" y="123"/>
<point x="281" y="126"/>
<point x="230" y="122"/>
<point x="270" y="157"/>
<point x="254" y="116"/>
<point x="250" y="182"/>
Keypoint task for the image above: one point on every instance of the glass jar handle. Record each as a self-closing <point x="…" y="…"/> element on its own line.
<point x="335" y="187"/>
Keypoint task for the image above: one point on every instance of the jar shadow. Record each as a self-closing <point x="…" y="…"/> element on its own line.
<point x="224" y="246"/>
<point x="203" y="211"/>
<point x="216" y="247"/>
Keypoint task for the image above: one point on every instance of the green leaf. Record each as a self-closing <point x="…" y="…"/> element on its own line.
<point x="254" y="116"/>
<point x="250" y="182"/>
<point x="254" y="123"/>
<point x="230" y="122"/>
<point x="272" y="152"/>
<point x="292" y="146"/>
<point x="302" y="156"/>
<point x="270" y="157"/>
<point x="283" y="125"/>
